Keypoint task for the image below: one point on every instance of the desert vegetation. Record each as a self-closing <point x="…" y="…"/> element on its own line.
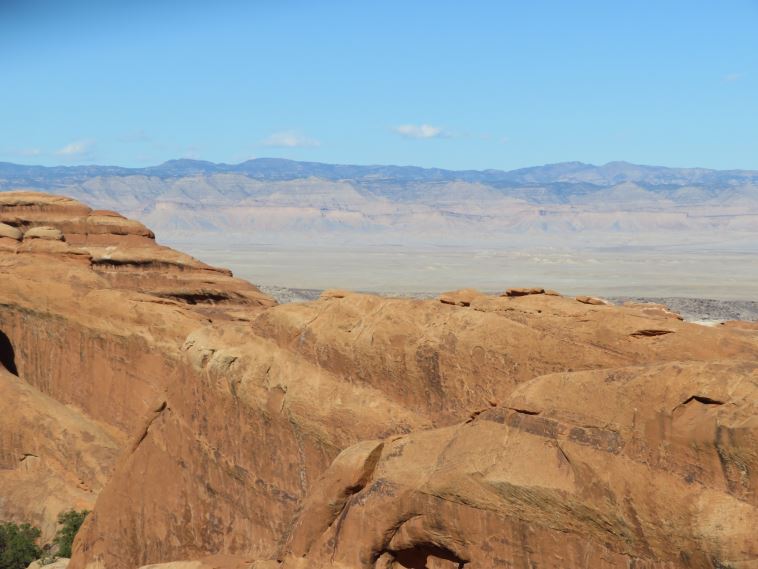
<point x="18" y="545"/>
<point x="19" y="542"/>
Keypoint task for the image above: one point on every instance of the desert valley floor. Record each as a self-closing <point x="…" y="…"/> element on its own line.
<point x="385" y="268"/>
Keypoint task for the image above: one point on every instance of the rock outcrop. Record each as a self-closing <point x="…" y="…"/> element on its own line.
<point x="208" y="424"/>
<point x="592" y="300"/>
<point x="43" y="232"/>
<point x="10" y="232"/>
<point x="550" y="479"/>
<point x="524" y="291"/>
<point x="51" y="457"/>
<point x="59" y="563"/>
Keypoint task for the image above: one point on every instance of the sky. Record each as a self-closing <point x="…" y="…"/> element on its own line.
<point x="452" y="84"/>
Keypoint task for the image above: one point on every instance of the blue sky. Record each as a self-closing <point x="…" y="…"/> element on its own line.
<point x="451" y="84"/>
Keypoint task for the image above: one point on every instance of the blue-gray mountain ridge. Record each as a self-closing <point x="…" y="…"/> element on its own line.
<point x="268" y="197"/>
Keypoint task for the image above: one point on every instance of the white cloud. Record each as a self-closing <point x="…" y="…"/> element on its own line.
<point x="290" y="139"/>
<point x="420" y="131"/>
<point x="75" y="149"/>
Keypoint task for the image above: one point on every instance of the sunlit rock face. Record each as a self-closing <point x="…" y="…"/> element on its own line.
<point x="207" y="426"/>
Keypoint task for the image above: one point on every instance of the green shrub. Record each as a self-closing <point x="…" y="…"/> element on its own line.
<point x="70" y="522"/>
<point x="18" y="545"/>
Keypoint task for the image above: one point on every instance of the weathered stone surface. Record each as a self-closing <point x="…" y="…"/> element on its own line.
<point x="463" y="297"/>
<point x="740" y="324"/>
<point x="532" y="431"/>
<point x="524" y="291"/>
<point x="592" y="300"/>
<point x="10" y="232"/>
<point x="44" y="232"/>
<point x="51" y="457"/>
<point x="335" y="293"/>
<point x="214" y="562"/>
<point x="59" y="563"/>
<point x="654" y="309"/>
<point x="552" y="479"/>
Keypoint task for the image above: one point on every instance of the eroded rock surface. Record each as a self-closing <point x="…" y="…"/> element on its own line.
<point x="550" y="479"/>
<point x="216" y="427"/>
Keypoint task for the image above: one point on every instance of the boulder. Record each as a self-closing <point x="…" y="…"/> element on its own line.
<point x="30" y="202"/>
<point x="462" y="297"/>
<point x="59" y="563"/>
<point x="44" y="232"/>
<point x="10" y="232"/>
<point x="524" y="291"/>
<point x="592" y="300"/>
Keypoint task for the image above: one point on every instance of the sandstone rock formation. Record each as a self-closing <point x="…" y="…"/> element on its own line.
<point x="216" y="428"/>
<point x="592" y="300"/>
<point x="10" y="232"/>
<point x="43" y="232"/>
<point x="524" y="291"/>
<point x="550" y="479"/>
<point x="52" y="458"/>
<point x="463" y="297"/>
<point x="741" y="324"/>
<point x="59" y="563"/>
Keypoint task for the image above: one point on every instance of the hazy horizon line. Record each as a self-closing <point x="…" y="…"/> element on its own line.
<point x="375" y="165"/>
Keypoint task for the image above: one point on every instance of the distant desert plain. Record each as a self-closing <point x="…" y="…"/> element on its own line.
<point x="725" y="275"/>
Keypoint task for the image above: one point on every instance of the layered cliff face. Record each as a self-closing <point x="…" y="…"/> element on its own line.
<point x="86" y="343"/>
<point x="357" y="431"/>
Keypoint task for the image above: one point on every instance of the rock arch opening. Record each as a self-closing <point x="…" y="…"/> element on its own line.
<point x="427" y="557"/>
<point x="7" y="354"/>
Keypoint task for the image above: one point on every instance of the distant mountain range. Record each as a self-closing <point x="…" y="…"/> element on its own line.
<point x="275" y="199"/>
<point x="282" y="169"/>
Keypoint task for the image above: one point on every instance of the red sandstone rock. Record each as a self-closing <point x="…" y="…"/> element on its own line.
<point x="654" y="309"/>
<point x="228" y="410"/>
<point x="105" y="213"/>
<point x="10" y="232"/>
<point x="334" y="293"/>
<point x="52" y="457"/>
<point x="523" y="291"/>
<point x="592" y="300"/>
<point x="463" y="297"/>
<point x="44" y="232"/>
<point x="555" y="480"/>
<point x="740" y="324"/>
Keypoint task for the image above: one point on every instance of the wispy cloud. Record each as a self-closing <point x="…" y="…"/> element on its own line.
<point x="733" y="77"/>
<point x="420" y="131"/>
<point x="290" y="139"/>
<point x="76" y="149"/>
